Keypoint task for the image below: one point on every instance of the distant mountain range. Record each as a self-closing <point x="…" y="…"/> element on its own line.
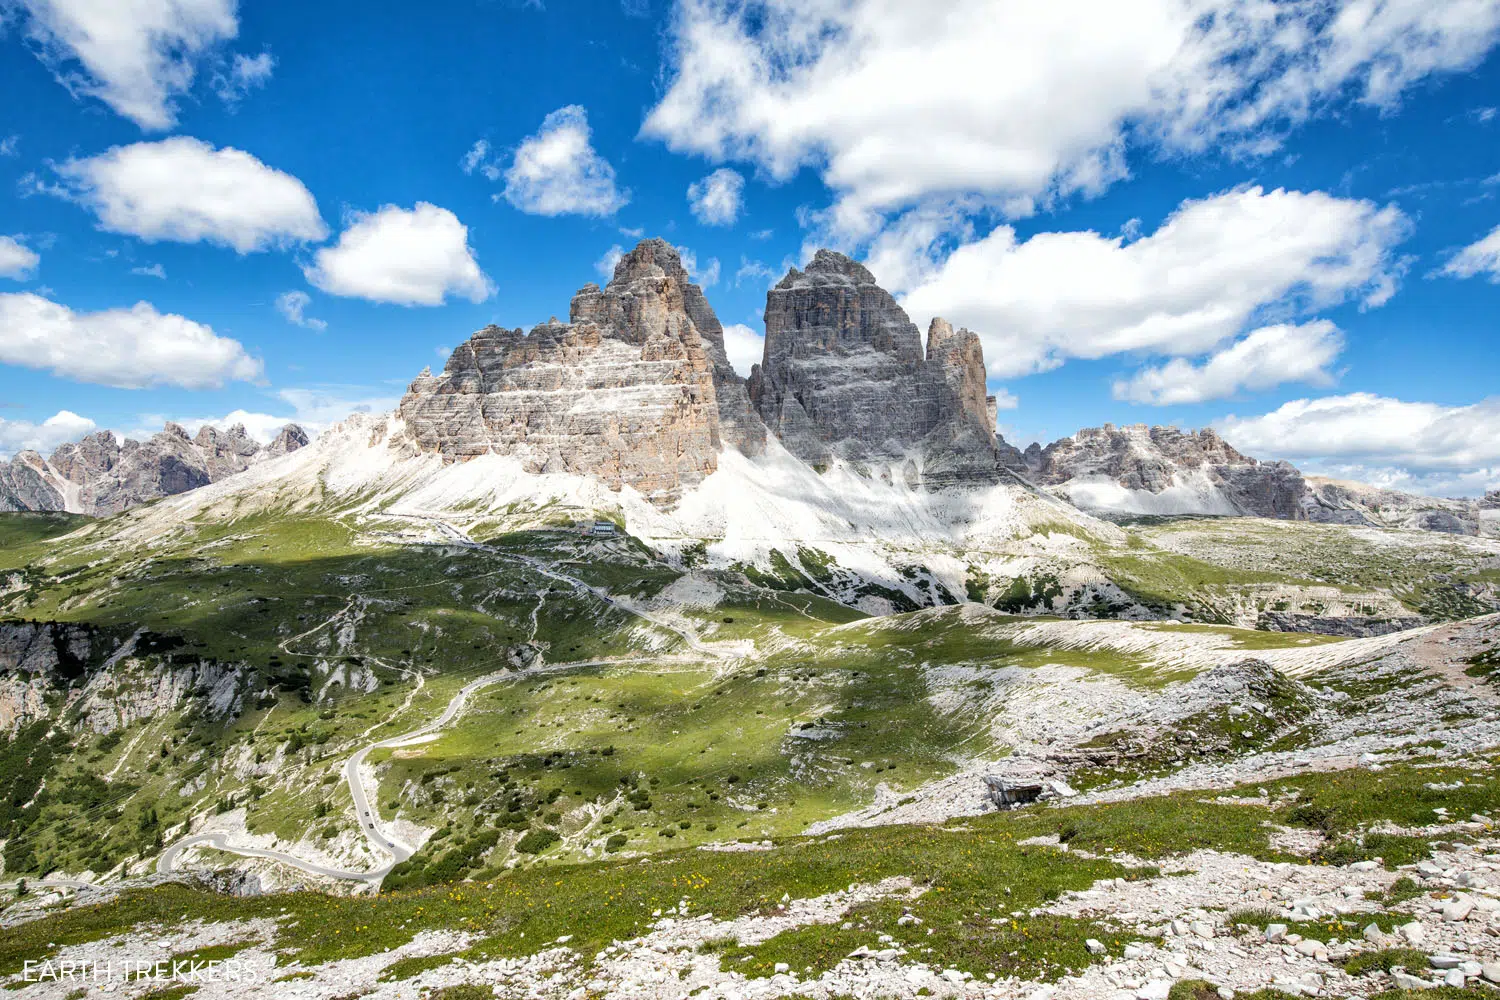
<point x="636" y="391"/>
<point x="100" y="475"/>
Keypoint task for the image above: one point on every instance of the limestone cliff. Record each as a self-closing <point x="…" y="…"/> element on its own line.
<point x="845" y="376"/>
<point x="624" y="391"/>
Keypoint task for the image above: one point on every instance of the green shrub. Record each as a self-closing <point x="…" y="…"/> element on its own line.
<point x="537" y="840"/>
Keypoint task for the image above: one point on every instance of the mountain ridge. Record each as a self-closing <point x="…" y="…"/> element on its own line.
<point x="101" y="475"/>
<point x="636" y="389"/>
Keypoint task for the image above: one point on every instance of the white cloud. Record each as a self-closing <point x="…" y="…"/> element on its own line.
<point x="605" y="265"/>
<point x="292" y="304"/>
<point x="10" y="145"/>
<point x="1263" y="359"/>
<point x="154" y="271"/>
<point x="313" y="409"/>
<point x="1478" y="258"/>
<point x="182" y="189"/>
<point x="744" y="347"/>
<point x="242" y="75"/>
<point x="133" y="348"/>
<point x="1427" y="446"/>
<point x="895" y="102"/>
<point x="478" y="158"/>
<point x="413" y="257"/>
<point x="137" y="56"/>
<point x="17" y="260"/>
<point x="1214" y="269"/>
<point x="557" y="172"/>
<point x="715" y="200"/>
<point x="1005" y="400"/>
<point x="707" y="275"/>
<point x="23" y="435"/>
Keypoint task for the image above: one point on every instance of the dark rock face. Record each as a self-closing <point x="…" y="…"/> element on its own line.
<point x="1356" y="628"/>
<point x="845" y="376"/>
<point x="625" y="391"/>
<point x="100" y="476"/>
<point x="1144" y="458"/>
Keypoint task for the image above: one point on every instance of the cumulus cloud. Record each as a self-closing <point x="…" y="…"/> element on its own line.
<point x="1481" y="258"/>
<point x="557" y="172"/>
<point x="17" y="260"/>
<point x="895" y="102"/>
<point x="715" y="199"/>
<point x="1424" y="447"/>
<point x="136" y="56"/>
<point x="1263" y="359"/>
<point x="1005" y="400"/>
<point x="241" y="75"/>
<point x="415" y="257"/>
<point x="154" y="271"/>
<point x="292" y="305"/>
<point x="1214" y="269"/>
<point x="23" y="435"/>
<point x="744" y="347"/>
<point x="183" y="190"/>
<point x="135" y="348"/>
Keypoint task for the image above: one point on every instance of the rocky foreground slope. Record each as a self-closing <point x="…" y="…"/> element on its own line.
<point x="101" y="475"/>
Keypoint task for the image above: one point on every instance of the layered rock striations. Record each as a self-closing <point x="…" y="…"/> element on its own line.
<point x="100" y="475"/>
<point x="625" y="391"/>
<point x="1200" y="467"/>
<point x="1162" y="470"/>
<point x="845" y="376"/>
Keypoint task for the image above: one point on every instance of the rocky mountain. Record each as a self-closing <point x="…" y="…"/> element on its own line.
<point x="624" y="391"/>
<point x="1162" y="470"/>
<point x="100" y="475"/>
<point x="1141" y="470"/>
<point x="845" y="376"/>
<point x="1334" y="501"/>
<point x="636" y="388"/>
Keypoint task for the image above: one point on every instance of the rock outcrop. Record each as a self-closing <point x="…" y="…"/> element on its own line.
<point x="1162" y="470"/>
<point x="37" y="660"/>
<point x="624" y="391"/>
<point x="845" y="376"/>
<point x="100" y="475"/>
<point x="1191" y="472"/>
<point x="1352" y="627"/>
<point x="26" y="483"/>
<point x="1333" y="501"/>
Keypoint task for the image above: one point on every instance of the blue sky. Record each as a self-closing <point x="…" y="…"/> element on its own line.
<point x="1278" y="218"/>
